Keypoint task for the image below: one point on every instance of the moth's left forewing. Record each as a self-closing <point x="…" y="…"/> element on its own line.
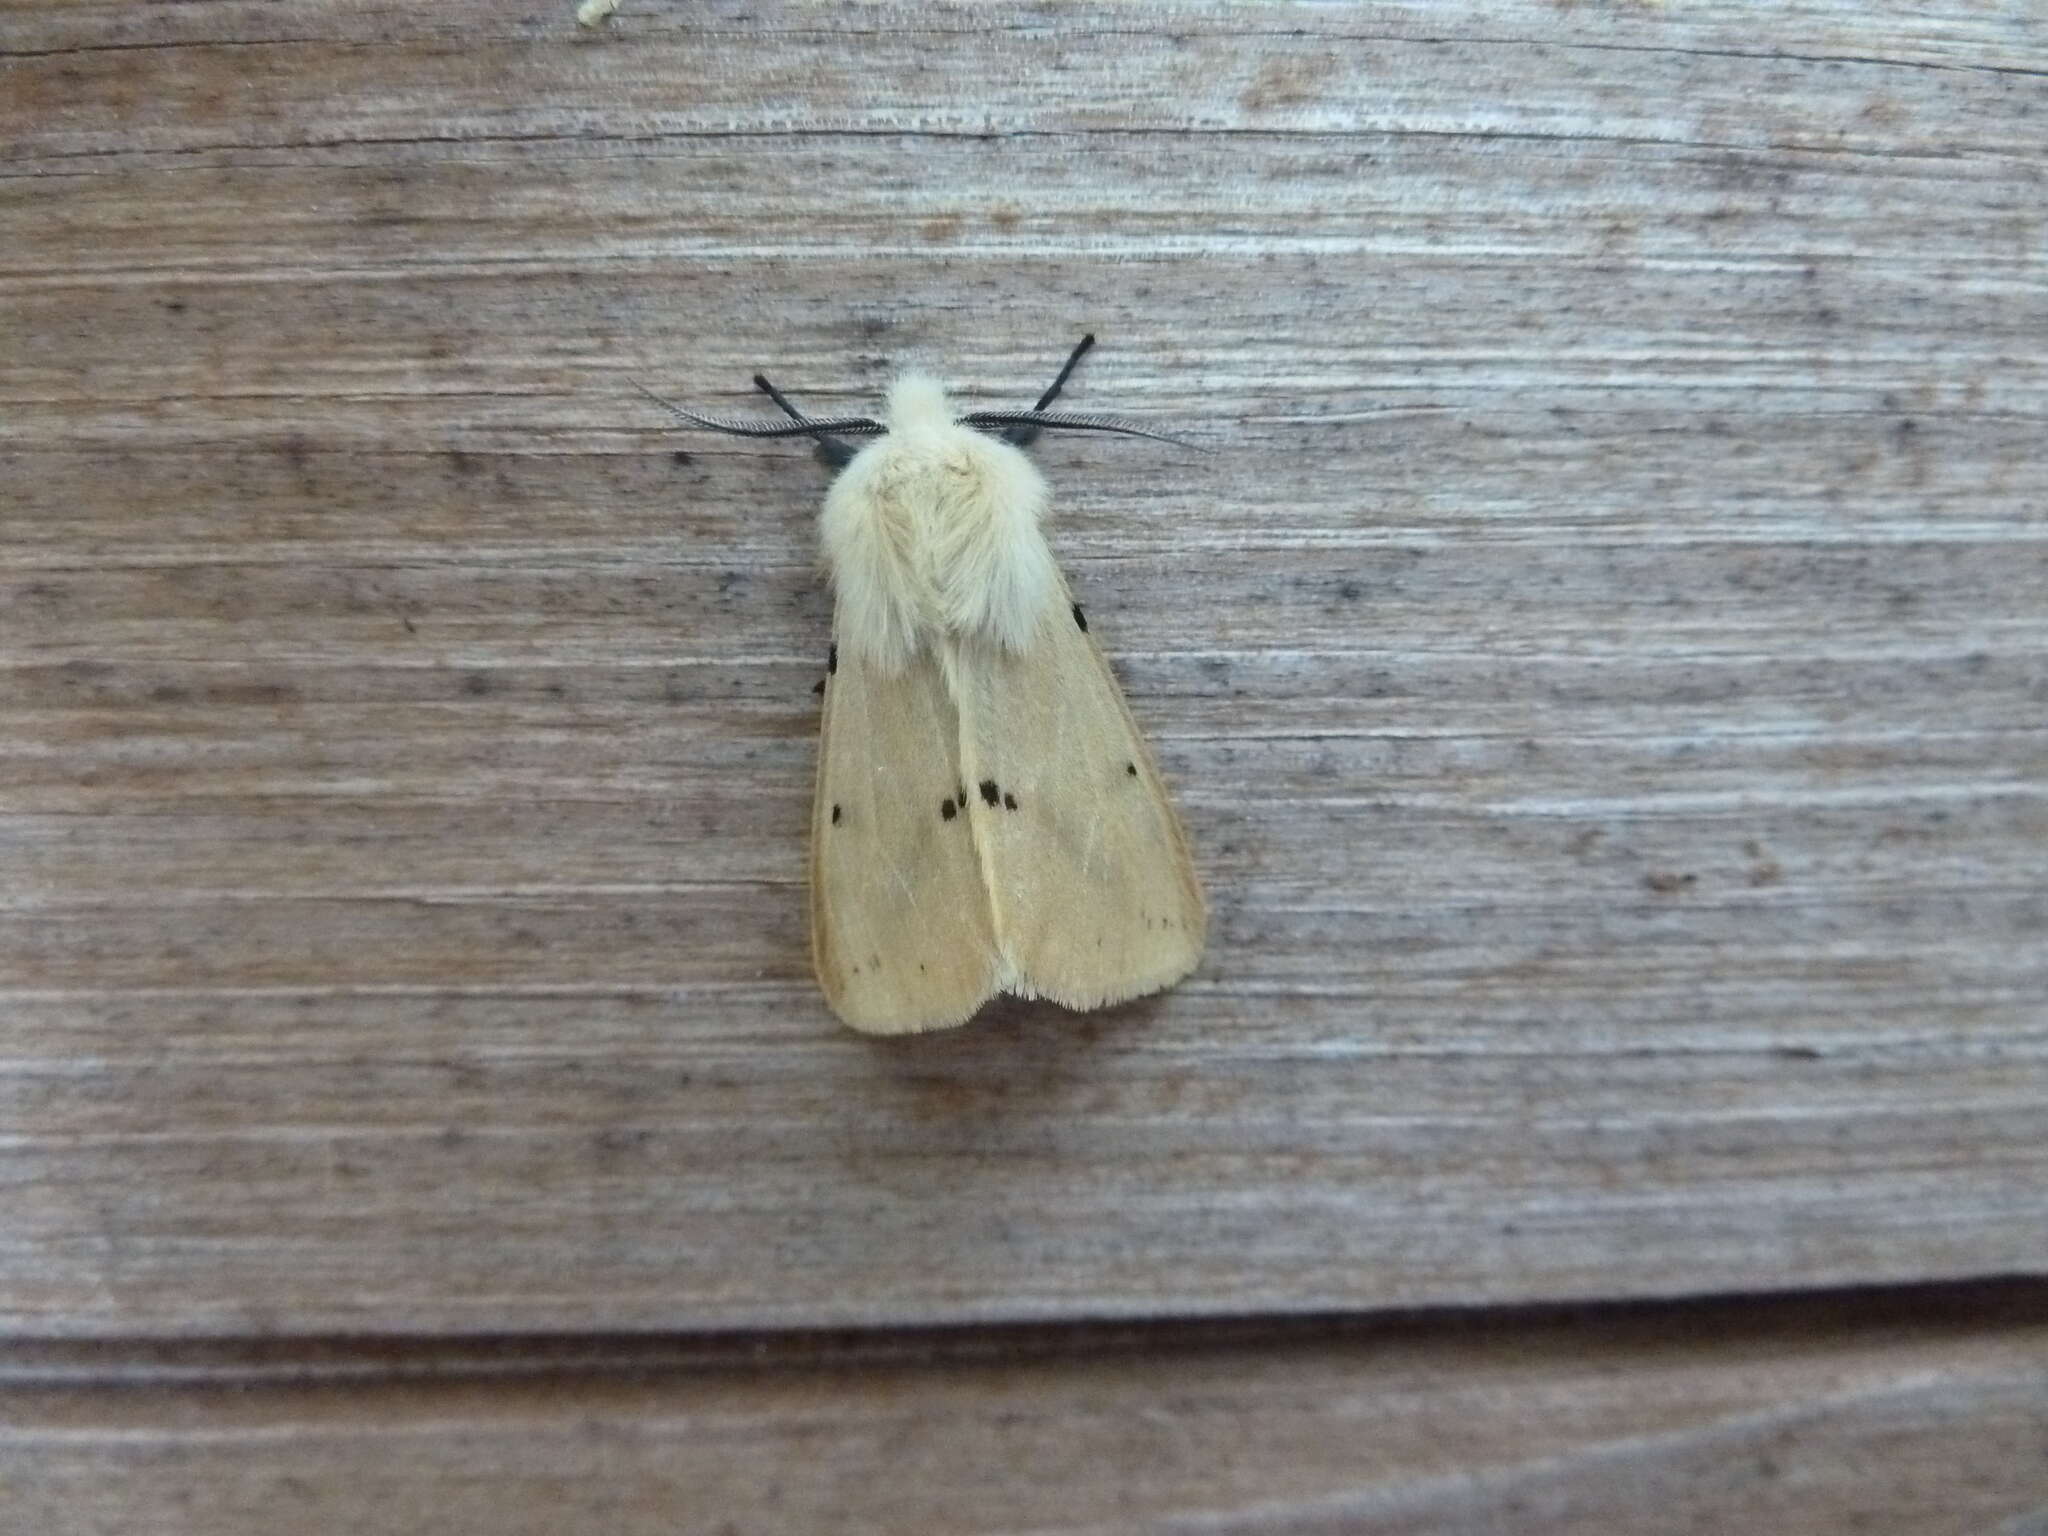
<point x="1092" y="891"/>
<point x="900" y="932"/>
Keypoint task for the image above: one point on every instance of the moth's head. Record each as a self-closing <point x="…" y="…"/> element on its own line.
<point x="917" y="400"/>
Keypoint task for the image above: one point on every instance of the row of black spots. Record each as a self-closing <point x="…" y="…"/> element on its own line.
<point x="831" y="666"/>
<point x="993" y="794"/>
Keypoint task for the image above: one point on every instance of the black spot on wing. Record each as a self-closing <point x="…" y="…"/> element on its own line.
<point x="835" y="815"/>
<point x="1080" y="619"/>
<point x="990" y="792"/>
<point x="1131" y="770"/>
<point x="1009" y="802"/>
<point x="948" y="810"/>
<point x="832" y="659"/>
<point x="818" y="686"/>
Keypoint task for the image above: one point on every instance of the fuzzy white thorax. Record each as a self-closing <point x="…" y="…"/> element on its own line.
<point x="934" y="529"/>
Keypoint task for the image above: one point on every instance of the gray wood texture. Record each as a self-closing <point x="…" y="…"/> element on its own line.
<point x="1603" y="662"/>
<point x="1814" y="1417"/>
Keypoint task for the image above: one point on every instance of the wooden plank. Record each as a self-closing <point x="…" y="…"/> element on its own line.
<point x="1828" y="1416"/>
<point x="1602" y="667"/>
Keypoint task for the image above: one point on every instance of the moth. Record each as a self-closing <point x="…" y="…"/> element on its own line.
<point x="988" y="818"/>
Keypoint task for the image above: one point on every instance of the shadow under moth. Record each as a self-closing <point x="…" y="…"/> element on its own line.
<point x="988" y="818"/>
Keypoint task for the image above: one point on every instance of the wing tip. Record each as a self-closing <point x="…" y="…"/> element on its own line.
<point x="1075" y="999"/>
<point x="1122" y="989"/>
<point x="882" y="1023"/>
<point x="877" y="1019"/>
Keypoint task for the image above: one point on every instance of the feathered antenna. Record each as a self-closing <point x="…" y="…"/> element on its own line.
<point x="1060" y="421"/>
<point x="1022" y="427"/>
<point x="798" y="425"/>
<point x="1024" y="434"/>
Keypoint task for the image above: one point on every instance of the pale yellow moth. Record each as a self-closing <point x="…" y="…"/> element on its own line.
<point x="595" y="13"/>
<point x="987" y="818"/>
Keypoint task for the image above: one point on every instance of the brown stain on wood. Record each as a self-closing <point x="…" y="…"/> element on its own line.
<point x="1288" y="80"/>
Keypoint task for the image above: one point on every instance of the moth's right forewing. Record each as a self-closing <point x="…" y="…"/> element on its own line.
<point x="1094" y="894"/>
<point x="901" y="936"/>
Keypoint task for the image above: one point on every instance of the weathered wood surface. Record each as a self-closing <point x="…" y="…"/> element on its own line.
<point x="1814" y="1417"/>
<point x="1604" y="664"/>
